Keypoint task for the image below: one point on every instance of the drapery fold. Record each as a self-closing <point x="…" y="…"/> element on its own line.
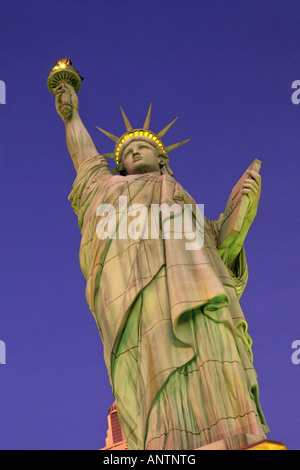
<point x="144" y="292"/>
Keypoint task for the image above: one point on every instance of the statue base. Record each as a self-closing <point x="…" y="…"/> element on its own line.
<point x="244" y="442"/>
<point x="265" y="444"/>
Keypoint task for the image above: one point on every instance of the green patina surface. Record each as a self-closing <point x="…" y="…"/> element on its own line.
<point x="175" y="338"/>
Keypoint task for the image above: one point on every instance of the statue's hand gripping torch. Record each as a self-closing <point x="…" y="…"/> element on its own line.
<point x="64" y="82"/>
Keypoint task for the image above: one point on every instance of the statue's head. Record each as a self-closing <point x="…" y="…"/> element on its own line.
<point x="140" y="150"/>
<point x="140" y="156"/>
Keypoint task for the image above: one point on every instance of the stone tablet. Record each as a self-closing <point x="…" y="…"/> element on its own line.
<point x="236" y="207"/>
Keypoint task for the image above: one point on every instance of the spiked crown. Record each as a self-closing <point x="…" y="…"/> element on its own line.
<point x="139" y="134"/>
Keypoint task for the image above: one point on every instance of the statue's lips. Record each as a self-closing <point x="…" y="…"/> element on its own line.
<point x="137" y="158"/>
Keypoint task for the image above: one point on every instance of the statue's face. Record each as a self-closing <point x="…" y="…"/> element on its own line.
<point x="140" y="157"/>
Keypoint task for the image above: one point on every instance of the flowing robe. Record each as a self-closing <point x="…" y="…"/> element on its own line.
<point x="174" y="336"/>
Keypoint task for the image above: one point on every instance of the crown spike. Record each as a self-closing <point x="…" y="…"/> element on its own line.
<point x="127" y="123"/>
<point x="174" y="146"/>
<point x="147" y="121"/>
<point x="165" y="129"/>
<point x="110" y="136"/>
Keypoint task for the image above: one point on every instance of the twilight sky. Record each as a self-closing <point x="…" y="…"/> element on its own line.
<point x="226" y="67"/>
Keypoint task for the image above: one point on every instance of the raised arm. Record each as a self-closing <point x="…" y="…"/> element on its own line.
<point x="79" y="141"/>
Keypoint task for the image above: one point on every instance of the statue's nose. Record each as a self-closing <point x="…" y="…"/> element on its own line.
<point x="135" y="151"/>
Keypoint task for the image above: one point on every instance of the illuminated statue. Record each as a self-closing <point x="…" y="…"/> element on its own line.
<point x="175" y="338"/>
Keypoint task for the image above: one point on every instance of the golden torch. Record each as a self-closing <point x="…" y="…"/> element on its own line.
<point x="64" y="72"/>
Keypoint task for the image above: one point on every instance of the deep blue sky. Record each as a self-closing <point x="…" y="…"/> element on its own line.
<point x="226" y="67"/>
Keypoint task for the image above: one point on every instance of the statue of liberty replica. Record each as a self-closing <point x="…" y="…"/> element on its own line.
<point x="175" y="339"/>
